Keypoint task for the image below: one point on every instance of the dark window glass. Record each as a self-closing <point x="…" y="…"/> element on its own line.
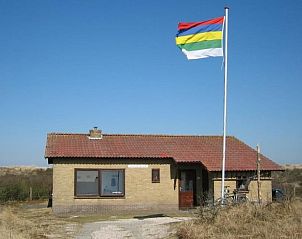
<point x="112" y="183"/>
<point x="242" y="183"/>
<point x="86" y="182"/>
<point x="155" y="176"/>
<point x="186" y="181"/>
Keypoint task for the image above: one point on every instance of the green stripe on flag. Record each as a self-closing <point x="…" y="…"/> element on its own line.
<point x="201" y="45"/>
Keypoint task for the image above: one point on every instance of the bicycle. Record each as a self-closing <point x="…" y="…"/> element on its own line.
<point x="238" y="196"/>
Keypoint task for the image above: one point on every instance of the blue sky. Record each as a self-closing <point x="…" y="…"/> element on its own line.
<point x="66" y="66"/>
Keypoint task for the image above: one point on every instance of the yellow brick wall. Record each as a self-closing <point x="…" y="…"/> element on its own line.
<point x="217" y="187"/>
<point x="139" y="189"/>
<point x="140" y="192"/>
<point x="266" y="189"/>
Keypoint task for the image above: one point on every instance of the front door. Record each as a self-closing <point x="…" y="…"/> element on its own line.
<point x="187" y="188"/>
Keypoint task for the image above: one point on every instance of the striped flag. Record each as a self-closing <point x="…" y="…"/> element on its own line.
<point x="201" y="39"/>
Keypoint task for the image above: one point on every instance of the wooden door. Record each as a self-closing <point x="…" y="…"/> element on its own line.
<point x="187" y="183"/>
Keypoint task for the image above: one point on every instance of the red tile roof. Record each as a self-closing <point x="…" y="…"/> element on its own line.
<point x="199" y="149"/>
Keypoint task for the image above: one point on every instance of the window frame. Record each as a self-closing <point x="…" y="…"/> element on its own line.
<point x="152" y="175"/>
<point x="99" y="182"/>
<point x="75" y="183"/>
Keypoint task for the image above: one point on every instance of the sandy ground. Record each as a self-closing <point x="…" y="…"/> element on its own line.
<point x="145" y="228"/>
<point x="34" y="220"/>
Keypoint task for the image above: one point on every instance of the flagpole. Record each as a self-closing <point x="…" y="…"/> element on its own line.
<point x="225" y="101"/>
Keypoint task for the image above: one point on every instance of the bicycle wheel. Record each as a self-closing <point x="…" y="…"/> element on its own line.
<point x="227" y="201"/>
<point x="243" y="199"/>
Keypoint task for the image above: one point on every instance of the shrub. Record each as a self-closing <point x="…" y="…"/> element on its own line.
<point x="17" y="187"/>
<point x="276" y="220"/>
<point x="290" y="181"/>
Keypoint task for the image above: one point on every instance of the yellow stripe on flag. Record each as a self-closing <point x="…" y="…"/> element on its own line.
<point x="205" y="36"/>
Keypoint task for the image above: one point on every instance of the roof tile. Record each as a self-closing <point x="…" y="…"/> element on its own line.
<point x="204" y="149"/>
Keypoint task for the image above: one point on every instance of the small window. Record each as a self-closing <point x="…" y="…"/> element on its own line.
<point x="87" y="182"/>
<point x="112" y="183"/>
<point x="155" y="176"/>
<point x="241" y="183"/>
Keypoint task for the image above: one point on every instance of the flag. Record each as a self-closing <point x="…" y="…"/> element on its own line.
<point x="201" y="39"/>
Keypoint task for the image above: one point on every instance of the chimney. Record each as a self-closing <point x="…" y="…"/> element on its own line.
<point x="95" y="133"/>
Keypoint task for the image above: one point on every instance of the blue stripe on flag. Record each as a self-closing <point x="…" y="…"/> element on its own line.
<point x="200" y="29"/>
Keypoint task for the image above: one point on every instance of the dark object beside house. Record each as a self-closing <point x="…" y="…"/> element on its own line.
<point x="49" y="204"/>
<point x="278" y="195"/>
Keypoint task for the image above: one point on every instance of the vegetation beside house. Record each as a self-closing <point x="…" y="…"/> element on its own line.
<point x="290" y="181"/>
<point x="274" y="220"/>
<point x="28" y="220"/>
<point x="15" y="183"/>
<point x="277" y="220"/>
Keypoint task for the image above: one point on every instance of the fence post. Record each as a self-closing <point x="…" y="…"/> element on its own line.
<point x="30" y="193"/>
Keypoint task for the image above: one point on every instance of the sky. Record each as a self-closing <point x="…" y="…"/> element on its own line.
<point x="67" y="66"/>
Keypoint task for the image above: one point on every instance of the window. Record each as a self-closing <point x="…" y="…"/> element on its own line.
<point x="241" y="183"/>
<point x="112" y="182"/>
<point x="155" y="176"/>
<point x="87" y="182"/>
<point x="103" y="182"/>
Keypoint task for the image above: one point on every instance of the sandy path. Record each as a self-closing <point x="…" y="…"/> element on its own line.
<point x="130" y="228"/>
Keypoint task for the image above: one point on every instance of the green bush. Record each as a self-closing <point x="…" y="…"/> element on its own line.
<point x="17" y="187"/>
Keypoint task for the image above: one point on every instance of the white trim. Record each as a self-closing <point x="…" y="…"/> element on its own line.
<point x="138" y="165"/>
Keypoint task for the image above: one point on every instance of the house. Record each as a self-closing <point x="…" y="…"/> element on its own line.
<point x="102" y="173"/>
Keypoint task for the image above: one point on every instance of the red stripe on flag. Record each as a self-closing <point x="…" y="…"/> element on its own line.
<point x="187" y="25"/>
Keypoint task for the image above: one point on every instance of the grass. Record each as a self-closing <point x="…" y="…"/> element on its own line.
<point x="275" y="220"/>
<point x="19" y="222"/>
<point x="31" y="219"/>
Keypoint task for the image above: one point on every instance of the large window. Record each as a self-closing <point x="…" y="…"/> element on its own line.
<point x="102" y="182"/>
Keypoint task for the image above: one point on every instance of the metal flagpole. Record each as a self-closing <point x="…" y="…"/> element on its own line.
<point x="225" y="101"/>
<point x="258" y="175"/>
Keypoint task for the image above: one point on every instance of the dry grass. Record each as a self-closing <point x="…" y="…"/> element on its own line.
<point x="283" y="220"/>
<point x="8" y="223"/>
<point x="17" y="222"/>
